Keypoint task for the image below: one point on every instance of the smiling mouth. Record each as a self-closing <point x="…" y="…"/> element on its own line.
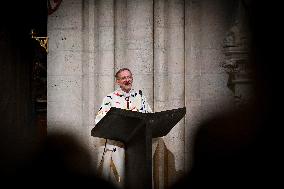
<point x="127" y="83"/>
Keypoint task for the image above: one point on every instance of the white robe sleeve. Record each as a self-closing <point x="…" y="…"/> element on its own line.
<point x="105" y="107"/>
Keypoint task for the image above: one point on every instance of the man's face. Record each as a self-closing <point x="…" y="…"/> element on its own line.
<point x="125" y="80"/>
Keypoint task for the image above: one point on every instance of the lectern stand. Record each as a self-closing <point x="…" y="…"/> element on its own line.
<point x="136" y="131"/>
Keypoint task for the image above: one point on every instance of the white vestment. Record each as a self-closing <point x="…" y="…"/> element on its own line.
<point x="111" y="154"/>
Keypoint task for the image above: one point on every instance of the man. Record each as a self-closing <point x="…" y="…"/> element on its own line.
<point x="111" y="164"/>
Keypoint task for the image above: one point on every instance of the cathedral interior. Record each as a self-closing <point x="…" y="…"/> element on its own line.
<point x="46" y="89"/>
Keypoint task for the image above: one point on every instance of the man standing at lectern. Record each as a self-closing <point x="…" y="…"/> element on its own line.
<point x="111" y="164"/>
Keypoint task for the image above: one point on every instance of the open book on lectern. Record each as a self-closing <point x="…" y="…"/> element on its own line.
<point x="119" y="124"/>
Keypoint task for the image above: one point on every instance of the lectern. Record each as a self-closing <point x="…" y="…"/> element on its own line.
<point x="136" y="131"/>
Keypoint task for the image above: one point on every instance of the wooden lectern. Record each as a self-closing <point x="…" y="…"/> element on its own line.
<point x="136" y="131"/>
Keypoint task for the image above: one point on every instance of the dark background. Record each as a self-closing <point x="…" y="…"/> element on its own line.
<point x="21" y="124"/>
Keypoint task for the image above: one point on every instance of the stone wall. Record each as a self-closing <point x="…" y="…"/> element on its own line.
<point x="174" y="48"/>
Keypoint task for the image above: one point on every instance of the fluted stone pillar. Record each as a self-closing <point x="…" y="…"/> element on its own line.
<point x="206" y="88"/>
<point x="169" y="84"/>
<point x="139" y="45"/>
<point x="64" y="70"/>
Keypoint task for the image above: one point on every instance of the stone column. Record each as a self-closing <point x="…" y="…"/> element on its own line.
<point x="103" y="23"/>
<point x="64" y="71"/>
<point x="139" y="45"/>
<point x="169" y="86"/>
<point x="206" y="91"/>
